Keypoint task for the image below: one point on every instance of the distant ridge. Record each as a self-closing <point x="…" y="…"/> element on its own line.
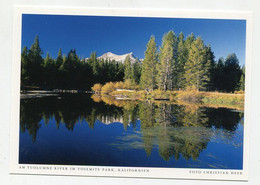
<point x="119" y="58"/>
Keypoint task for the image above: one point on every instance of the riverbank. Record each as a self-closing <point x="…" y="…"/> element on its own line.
<point x="24" y="94"/>
<point x="42" y="93"/>
<point x="212" y="99"/>
<point x="209" y="99"/>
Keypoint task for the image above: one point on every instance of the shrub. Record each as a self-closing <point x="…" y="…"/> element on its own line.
<point x="139" y="95"/>
<point x="130" y="84"/>
<point x="119" y="85"/>
<point x="96" y="98"/>
<point x="190" y="95"/>
<point x="96" y="88"/>
<point x="108" y="88"/>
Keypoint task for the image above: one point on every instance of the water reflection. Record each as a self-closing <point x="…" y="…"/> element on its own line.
<point x="173" y="130"/>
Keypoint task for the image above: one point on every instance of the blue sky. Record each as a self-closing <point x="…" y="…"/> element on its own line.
<point x="122" y="35"/>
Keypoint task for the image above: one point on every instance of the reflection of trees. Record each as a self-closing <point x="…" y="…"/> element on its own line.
<point x="91" y="119"/>
<point x="224" y="118"/>
<point x="30" y="118"/>
<point x="182" y="130"/>
<point x="176" y="130"/>
<point x="130" y="116"/>
<point x="58" y="118"/>
<point x="241" y="115"/>
<point x="68" y="110"/>
<point x="167" y="130"/>
<point x="190" y="141"/>
<point x="165" y="118"/>
<point x="147" y="117"/>
<point x="72" y="109"/>
<point x="194" y="116"/>
<point x="96" y="98"/>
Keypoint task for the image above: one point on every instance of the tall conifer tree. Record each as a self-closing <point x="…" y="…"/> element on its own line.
<point x="58" y="59"/>
<point x="196" y="70"/>
<point x="165" y="67"/>
<point x="181" y="60"/>
<point x="136" y="71"/>
<point x="208" y="67"/>
<point x="147" y="79"/>
<point x="24" y="67"/>
<point x="128" y="70"/>
<point x="232" y="73"/>
<point x="242" y="79"/>
<point x="35" y="61"/>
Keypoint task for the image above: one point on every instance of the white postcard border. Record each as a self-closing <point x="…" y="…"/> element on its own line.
<point x="144" y="172"/>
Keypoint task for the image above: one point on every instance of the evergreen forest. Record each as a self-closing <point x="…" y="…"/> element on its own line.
<point x="178" y="64"/>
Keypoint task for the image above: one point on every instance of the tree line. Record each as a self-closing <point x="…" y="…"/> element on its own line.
<point x="66" y="71"/>
<point x="185" y="64"/>
<point x="179" y="63"/>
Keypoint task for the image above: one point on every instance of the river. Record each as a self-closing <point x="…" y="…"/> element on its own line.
<point x="77" y="129"/>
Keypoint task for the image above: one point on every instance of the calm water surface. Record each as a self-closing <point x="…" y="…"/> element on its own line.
<point x="80" y="130"/>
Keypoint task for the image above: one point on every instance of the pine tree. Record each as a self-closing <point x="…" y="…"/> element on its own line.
<point x="189" y="40"/>
<point x="207" y="68"/>
<point x="175" y="62"/>
<point x="35" y="49"/>
<point x="35" y="63"/>
<point x="47" y="62"/>
<point x="217" y="75"/>
<point x="182" y="58"/>
<point x="209" y="65"/>
<point x="232" y="73"/>
<point x="196" y="69"/>
<point x="128" y="70"/>
<point x="94" y="63"/>
<point x="136" y="71"/>
<point x="119" y="75"/>
<point x="24" y="67"/>
<point x="242" y="79"/>
<point x="48" y="71"/>
<point x="59" y="59"/>
<point x="165" y="67"/>
<point x="148" y="74"/>
<point x="70" y="70"/>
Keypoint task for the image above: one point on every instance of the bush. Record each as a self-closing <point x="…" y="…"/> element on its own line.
<point x="119" y="85"/>
<point x="190" y="94"/>
<point x="96" y="88"/>
<point x="108" y="88"/>
<point x="139" y="95"/>
<point x="96" y="98"/>
<point x="130" y="84"/>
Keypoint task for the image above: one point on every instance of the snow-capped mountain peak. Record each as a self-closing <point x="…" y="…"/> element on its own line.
<point x="119" y="58"/>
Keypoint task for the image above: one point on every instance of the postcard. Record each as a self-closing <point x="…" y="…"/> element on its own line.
<point x="131" y="93"/>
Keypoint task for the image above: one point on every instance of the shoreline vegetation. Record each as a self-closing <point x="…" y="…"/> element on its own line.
<point x="181" y="70"/>
<point x="190" y="96"/>
<point x="204" y="99"/>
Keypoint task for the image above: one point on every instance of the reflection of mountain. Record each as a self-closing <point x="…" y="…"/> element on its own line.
<point x="110" y="120"/>
<point x="174" y="130"/>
